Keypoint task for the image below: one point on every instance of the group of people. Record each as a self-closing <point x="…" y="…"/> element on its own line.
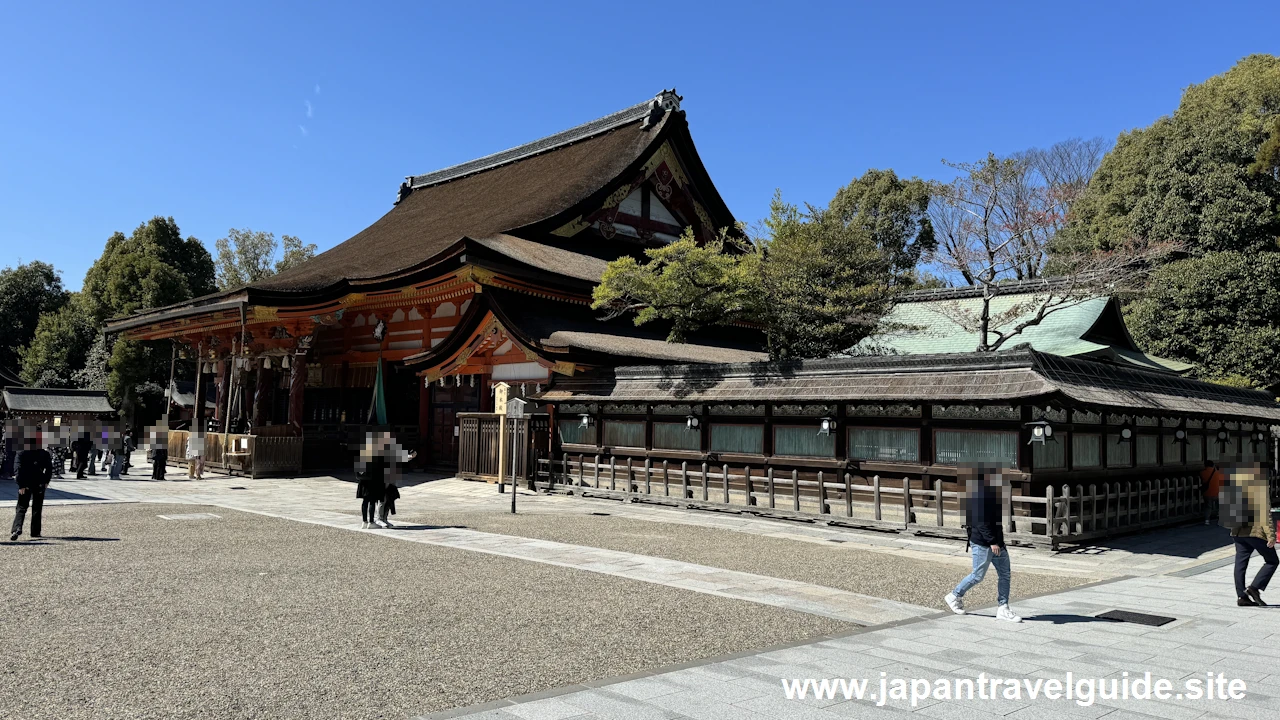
<point x="1246" y="514"/>
<point x="377" y="470"/>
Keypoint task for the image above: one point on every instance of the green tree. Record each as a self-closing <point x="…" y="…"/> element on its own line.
<point x="687" y="284"/>
<point x="26" y="292"/>
<point x="829" y="274"/>
<point x="817" y="281"/>
<point x="1220" y="311"/>
<point x="1206" y="178"/>
<point x="247" y="256"/>
<point x="152" y="267"/>
<point x="60" y="345"/>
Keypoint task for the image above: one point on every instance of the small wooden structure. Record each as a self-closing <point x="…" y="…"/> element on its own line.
<point x="254" y="456"/>
<point x="528" y="445"/>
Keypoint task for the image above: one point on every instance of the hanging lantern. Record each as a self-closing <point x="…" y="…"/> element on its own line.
<point x="692" y="422"/>
<point x="825" y="426"/>
<point x="1126" y="432"/>
<point x="587" y="421"/>
<point x="1180" y="435"/>
<point x="1041" y="431"/>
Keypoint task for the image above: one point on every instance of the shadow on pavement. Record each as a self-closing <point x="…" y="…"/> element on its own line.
<point x="1068" y="619"/>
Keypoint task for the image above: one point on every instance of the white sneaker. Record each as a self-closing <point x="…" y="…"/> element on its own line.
<point x="1004" y="613"/>
<point x="387" y="524"/>
<point x="955" y="603"/>
<point x="364" y="526"/>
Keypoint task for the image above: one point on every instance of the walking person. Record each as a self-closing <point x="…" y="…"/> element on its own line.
<point x="1248" y="515"/>
<point x="984" y="490"/>
<point x="195" y="455"/>
<point x="1212" y="478"/>
<point x="33" y="469"/>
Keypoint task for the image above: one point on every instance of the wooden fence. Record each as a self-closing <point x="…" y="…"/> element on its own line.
<point x="527" y="443"/>
<point x="900" y="504"/>
<point x="251" y="455"/>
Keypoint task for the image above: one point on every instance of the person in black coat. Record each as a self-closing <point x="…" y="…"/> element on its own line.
<point x="80" y="449"/>
<point x="33" y="469"/>
<point x="984" y="520"/>
<point x="371" y="488"/>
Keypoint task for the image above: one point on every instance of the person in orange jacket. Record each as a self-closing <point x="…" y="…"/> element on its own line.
<point x="1212" y="477"/>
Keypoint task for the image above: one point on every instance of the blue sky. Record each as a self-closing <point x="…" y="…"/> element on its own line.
<point x="303" y="118"/>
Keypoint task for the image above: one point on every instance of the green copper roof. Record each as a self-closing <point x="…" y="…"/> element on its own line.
<point x="1092" y="327"/>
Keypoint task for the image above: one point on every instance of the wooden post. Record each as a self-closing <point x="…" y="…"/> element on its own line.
<point x="726" y="483"/>
<point x="848" y="495"/>
<point x="1066" y="504"/>
<point x="704" y="482"/>
<point x="595" y="471"/>
<point x="630" y="476"/>
<point x="1093" y="507"/>
<point x="684" y="480"/>
<point x="297" y="389"/>
<point x="168" y="392"/>
<point x="822" y="494"/>
<point x="613" y="473"/>
<point x="1006" y="507"/>
<point x="906" y="501"/>
<point x="746" y="471"/>
<point x="648" y="465"/>
<point x="1049" y="513"/>
<point x="666" y="480"/>
<point x="769" y="478"/>
<point x="197" y="400"/>
<point x="937" y="493"/>
<point x="581" y="479"/>
<point x="875" y="494"/>
<point x="795" y="490"/>
<point x="1080" y="506"/>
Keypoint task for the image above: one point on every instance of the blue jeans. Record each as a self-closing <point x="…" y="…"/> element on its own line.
<point x="983" y="558"/>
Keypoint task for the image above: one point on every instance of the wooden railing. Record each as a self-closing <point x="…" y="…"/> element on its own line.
<point x="900" y="503"/>
<point x="251" y="455"/>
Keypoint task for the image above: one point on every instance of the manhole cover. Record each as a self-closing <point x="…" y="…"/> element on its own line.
<point x="191" y="516"/>
<point x="1133" y="617"/>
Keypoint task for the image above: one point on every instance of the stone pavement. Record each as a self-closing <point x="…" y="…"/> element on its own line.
<point x="1060" y="635"/>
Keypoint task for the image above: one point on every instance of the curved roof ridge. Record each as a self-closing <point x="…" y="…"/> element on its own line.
<point x="649" y="110"/>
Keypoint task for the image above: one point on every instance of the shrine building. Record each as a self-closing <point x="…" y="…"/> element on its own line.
<point x="479" y="273"/>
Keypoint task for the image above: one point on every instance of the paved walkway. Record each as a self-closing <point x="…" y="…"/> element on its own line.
<point x="1060" y="635"/>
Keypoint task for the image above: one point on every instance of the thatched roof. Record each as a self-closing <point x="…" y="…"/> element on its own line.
<point x="1014" y="376"/>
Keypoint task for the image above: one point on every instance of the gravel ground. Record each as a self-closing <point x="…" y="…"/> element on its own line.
<point x="877" y="574"/>
<point x="123" y="615"/>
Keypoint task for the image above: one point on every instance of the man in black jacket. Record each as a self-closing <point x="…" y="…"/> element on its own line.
<point x="984" y="495"/>
<point x="33" y="469"/>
